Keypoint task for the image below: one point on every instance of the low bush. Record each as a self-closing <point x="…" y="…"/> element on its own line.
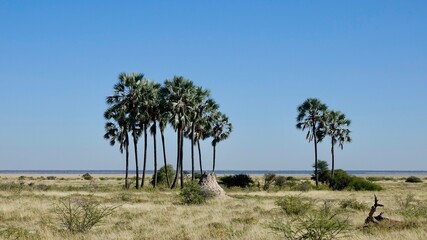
<point x="413" y="179"/>
<point x="238" y="180"/>
<point x="87" y="176"/>
<point x="269" y="178"/>
<point x="280" y="181"/>
<point x="161" y="175"/>
<point x="323" y="172"/>
<point x="360" y="184"/>
<point x="342" y="180"/>
<point x="317" y="225"/>
<point x="295" y="205"/>
<point x="79" y="214"/>
<point x="50" y="177"/>
<point x="374" y="179"/>
<point x="290" y="178"/>
<point x="193" y="193"/>
<point x="352" y="204"/>
<point x="303" y="186"/>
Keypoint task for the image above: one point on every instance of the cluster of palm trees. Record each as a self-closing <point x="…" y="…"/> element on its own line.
<point x="320" y="122"/>
<point x="139" y="105"/>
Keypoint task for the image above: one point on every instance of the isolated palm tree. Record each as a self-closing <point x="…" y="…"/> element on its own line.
<point x="221" y="130"/>
<point x="336" y="125"/>
<point x="311" y="117"/>
<point x="178" y="95"/>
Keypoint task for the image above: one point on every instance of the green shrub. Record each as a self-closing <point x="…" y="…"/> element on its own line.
<point x="352" y="204"/>
<point x="238" y="180"/>
<point x="280" y="181"/>
<point x="80" y="214"/>
<point x="269" y="178"/>
<point x="290" y="178"/>
<point x="50" y="177"/>
<point x="87" y="176"/>
<point x="197" y="175"/>
<point x="317" y="225"/>
<point x="360" y="184"/>
<point x="161" y="175"/>
<point x="295" y="205"/>
<point x="193" y="193"/>
<point x="413" y="179"/>
<point x="341" y="180"/>
<point x="323" y="172"/>
<point x="374" y="179"/>
<point x="303" y="186"/>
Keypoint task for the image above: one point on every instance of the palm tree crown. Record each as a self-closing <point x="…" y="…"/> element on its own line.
<point x="336" y="128"/>
<point x="311" y="116"/>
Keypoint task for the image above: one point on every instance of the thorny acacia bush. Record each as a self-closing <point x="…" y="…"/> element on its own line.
<point x="79" y="214"/>
<point x="295" y="205"/>
<point x="322" y="224"/>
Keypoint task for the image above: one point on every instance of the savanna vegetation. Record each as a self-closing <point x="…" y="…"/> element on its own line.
<point x="328" y="205"/>
<point x="33" y="207"/>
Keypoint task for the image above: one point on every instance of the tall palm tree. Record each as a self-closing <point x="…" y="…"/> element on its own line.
<point x="198" y="105"/>
<point x="154" y="116"/>
<point x="148" y="97"/>
<point x="221" y="130"/>
<point x="162" y="126"/>
<point x="129" y="84"/>
<point x="311" y="117"/>
<point x="178" y="97"/>
<point x="116" y="130"/>
<point x="164" y="117"/>
<point x="202" y="128"/>
<point x="337" y="124"/>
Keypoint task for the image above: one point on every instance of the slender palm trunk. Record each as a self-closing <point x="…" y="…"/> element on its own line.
<point x="181" y="158"/>
<point x="192" y="151"/>
<point x="213" y="161"/>
<point x="315" y="155"/>
<point x="127" y="167"/>
<point x="333" y="158"/>
<point x="135" y="146"/>
<point x="155" y="155"/>
<point x="200" y="156"/>
<point x="164" y="158"/>
<point x="145" y="155"/>
<point x="177" y="158"/>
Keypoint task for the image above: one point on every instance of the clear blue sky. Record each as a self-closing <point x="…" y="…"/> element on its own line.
<point x="261" y="59"/>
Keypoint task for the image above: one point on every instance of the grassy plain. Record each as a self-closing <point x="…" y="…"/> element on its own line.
<point x="27" y="210"/>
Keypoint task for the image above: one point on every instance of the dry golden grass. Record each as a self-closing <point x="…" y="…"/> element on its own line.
<point x="27" y="211"/>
